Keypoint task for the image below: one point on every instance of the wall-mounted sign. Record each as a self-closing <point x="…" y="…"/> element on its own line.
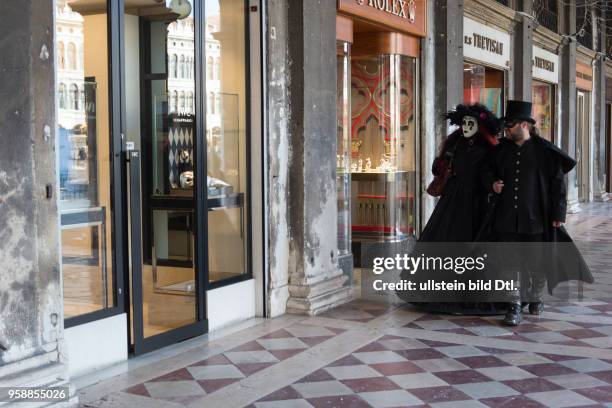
<point x="408" y="16"/>
<point x="486" y="44"/>
<point x="545" y="65"/>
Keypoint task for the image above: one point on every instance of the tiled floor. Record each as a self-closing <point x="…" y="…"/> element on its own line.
<point x="369" y="354"/>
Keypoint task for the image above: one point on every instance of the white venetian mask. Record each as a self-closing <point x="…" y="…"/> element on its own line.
<point x="469" y="125"/>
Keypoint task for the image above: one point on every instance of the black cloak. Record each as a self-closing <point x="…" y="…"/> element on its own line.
<point x="565" y="261"/>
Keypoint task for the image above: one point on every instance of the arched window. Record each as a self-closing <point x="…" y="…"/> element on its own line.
<point x="173" y="65"/>
<point x="62" y="96"/>
<point x="218" y="69"/>
<point x="182" y="101"/>
<point x="182" y="66"/>
<point x="209" y="68"/>
<point x="61" y="56"/>
<point x="211" y="103"/>
<point x="72" y="60"/>
<point x="74" y="97"/>
<point x="175" y="101"/>
<point x="190" y="67"/>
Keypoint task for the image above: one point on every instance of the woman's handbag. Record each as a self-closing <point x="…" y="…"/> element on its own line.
<point x="443" y="170"/>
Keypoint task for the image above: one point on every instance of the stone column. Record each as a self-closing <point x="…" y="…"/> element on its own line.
<point x="523" y="53"/>
<point x="599" y="108"/>
<point x="567" y="95"/>
<point x="441" y="84"/>
<point x="32" y="348"/>
<point x="302" y="90"/>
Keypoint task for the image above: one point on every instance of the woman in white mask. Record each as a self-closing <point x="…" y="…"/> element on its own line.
<point x="462" y="206"/>
<point x="459" y="212"/>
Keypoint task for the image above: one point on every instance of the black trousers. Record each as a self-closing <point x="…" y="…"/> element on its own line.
<point x="524" y="265"/>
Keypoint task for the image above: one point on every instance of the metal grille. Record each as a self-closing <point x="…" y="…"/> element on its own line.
<point x="584" y="28"/>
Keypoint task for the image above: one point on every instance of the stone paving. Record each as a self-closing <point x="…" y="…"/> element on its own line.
<point x="368" y="354"/>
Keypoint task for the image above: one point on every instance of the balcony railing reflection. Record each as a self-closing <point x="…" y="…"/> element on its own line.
<point x="546" y="14"/>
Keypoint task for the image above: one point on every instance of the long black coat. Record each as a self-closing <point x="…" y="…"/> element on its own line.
<point x="462" y="206"/>
<point x="565" y="261"/>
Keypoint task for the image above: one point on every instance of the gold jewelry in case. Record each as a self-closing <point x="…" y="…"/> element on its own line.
<point x="355" y="146"/>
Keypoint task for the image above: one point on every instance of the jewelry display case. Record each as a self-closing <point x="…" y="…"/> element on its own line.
<point x="383" y="147"/>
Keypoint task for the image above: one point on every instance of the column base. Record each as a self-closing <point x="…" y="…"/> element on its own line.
<point x="573" y="207"/>
<point x="601" y="197"/>
<point x="345" y="262"/>
<point x="319" y="297"/>
<point x="42" y="370"/>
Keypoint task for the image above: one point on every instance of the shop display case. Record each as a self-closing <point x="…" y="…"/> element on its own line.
<point x="343" y="147"/>
<point x="383" y="148"/>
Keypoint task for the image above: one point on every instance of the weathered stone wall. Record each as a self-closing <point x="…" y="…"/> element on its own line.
<point x="30" y="282"/>
<point x="301" y="66"/>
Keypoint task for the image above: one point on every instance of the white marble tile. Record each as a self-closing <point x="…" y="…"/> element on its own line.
<point x="309" y="331"/>
<point x="461" y="351"/>
<point x="575" y="381"/>
<point x="214" y="372"/>
<point x="301" y="403"/>
<point x="174" y="389"/>
<point x="523" y="358"/>
<point x="322" y="389"/>
<point x="403" y="344"/>
<point x="505" y="373"/>
<point x="486" y="390"/>
<point x="560" y="399"/>
<point x="435" y="365"/>
<point x="395" y="398"/>
<point x="417" y="380"/>
<point x="248" y="357"/>
<point x="282" y="344"/>
<point x="375" y="357"/>
<point x="587" y="365"/>
<point x="351" y="372"/>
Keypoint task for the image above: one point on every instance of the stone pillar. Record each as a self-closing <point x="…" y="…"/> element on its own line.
<point x="523" y="53"/>
<point x="599" y="107"/>
<point x="302" y="89"/>
<point x="567" y="96"/>
<point x="32" y="348"/>
<point x="441" y="84"/>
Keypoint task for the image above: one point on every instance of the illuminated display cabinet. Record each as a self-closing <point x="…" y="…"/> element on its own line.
<point x="383" y="146"/>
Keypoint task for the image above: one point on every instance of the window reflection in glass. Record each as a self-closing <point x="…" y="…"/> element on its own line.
<point x="84" y="160"/>
<point x="485" y="85"/>
<point x="225" y="57"/>
<point x="543" y="108"/>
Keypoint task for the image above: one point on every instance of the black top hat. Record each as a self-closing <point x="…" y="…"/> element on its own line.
<point x="518" y="110"/>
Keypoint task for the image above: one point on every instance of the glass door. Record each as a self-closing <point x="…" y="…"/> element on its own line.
<point x="162" y="129"/>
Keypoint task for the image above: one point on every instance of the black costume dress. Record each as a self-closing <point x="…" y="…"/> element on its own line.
<point x="457" y="217"/>
<point x="458" y="214"/>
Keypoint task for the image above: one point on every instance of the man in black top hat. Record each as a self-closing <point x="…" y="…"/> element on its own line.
<point x="527" y="174"/>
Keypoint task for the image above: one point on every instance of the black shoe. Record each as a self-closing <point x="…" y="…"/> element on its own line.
<point x="536" y="308"/>
<point x="513" y="315"/>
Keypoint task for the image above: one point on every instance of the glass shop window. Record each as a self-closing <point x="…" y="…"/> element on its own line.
<point x="543" y="108"/>
<point x="225" y="56"/>
<point x="84" y="161"/>
<point x="383" y="147"/>
<point x="485" y="85"/>
<point x="343" y="147"/>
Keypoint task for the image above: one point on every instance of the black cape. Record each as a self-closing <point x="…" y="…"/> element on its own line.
<point x="565" y="263"/>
